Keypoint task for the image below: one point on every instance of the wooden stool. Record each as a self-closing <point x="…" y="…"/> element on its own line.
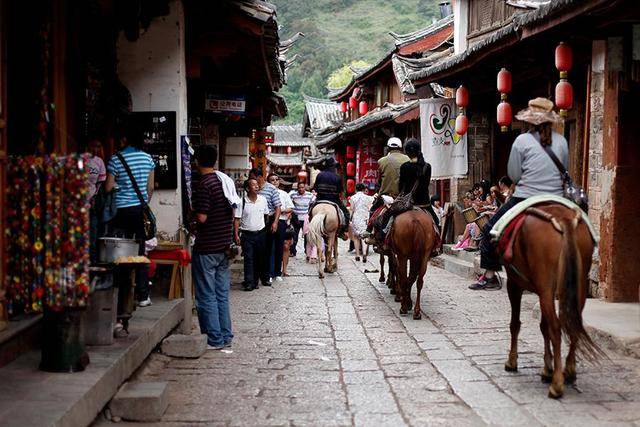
<point x="178" y="259"/>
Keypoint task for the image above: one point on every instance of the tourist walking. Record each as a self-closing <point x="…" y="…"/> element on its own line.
<point x="286" y="210"/>
<point x="250" y="232"/>
<point x="360" y="206"/>
<point x="269" y="192"/>
<point x="132" y="171"/>
<point x="210" y="265"/>
<point x="301" y="199"/>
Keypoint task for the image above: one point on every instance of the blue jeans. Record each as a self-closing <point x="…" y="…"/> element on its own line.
<point x="489" y="258"/>
<point x="212" y="281"/>
<point x="253" y="249"/>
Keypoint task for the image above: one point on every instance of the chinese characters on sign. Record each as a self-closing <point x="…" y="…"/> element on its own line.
<point x="225" y="105"/>
<point x="368" y="156"/>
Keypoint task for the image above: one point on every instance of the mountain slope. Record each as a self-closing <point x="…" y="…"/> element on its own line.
<point x="337" y="32"/>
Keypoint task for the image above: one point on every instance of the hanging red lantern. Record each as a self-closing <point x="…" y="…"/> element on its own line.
<point x="288" y="150"/>
<point x="504" y="115"/>
<point x="343" y="107"/>
<point x="351" y="186"/>
<point x="353" y="103"/>
<point x="351" y="169"/>
<point x="363" y="108"/>
<point x="462" y="124"/>
<point x="504" y="81"/>
<point x="564" y="96"/>
<point x="302" y="176"/>
<point x="564" y="59"/>
<point x="462" y="97"/>
<point x="351" y="152"/>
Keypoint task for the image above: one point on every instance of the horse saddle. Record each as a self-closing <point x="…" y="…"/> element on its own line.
<point x="341" y="218"/>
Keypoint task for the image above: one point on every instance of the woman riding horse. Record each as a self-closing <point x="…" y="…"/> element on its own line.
<point x="533" y="173"/>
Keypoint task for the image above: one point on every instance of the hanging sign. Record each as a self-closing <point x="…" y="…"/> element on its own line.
<point x="369" y="154"/>
<point x="445" y="150"/>
<point x="225" y="104"/>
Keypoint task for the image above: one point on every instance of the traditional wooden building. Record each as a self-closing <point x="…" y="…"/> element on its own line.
<point x="287" y="153"/>
<point x="522" y="36"/>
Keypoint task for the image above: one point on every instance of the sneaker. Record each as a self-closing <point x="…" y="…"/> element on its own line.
<point x="279" y="279"/>
<point x="145" y="303"/>
<point x="480" y="284"/>
<point x="214" y="347"/>
<point x="493" y="284"/>
<point x="248" y="288"/>
<point x="227" y="344"/>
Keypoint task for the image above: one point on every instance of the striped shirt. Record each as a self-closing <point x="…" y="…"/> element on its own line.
<point x="301" y="202"/>
<point x="215" y="234"/>
<point x="141" y="164"/>
<point x="270" y="192"/>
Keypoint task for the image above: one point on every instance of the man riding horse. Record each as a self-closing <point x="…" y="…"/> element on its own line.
<point x="328" y="188"/>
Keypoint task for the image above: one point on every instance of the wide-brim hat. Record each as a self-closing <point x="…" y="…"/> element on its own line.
<point x="540" y="111"/>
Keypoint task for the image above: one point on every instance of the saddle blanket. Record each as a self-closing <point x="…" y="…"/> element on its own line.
<point x="503" y="223"/>
<point x="341" y="218"/>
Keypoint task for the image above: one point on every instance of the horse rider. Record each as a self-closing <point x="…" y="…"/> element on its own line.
<point x="389" y="180"/>
<point x="328" y="187"/>
<point x="532" y="171"/>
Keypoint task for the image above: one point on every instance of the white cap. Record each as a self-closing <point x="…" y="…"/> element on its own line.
<point x="394" y="142"/>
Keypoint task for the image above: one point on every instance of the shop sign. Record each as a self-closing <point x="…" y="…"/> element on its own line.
<point x="219" y="104"/>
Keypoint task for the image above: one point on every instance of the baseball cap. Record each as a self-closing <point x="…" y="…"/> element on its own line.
<point x="394" y="142"/>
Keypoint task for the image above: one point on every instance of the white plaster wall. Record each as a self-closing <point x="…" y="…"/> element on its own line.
<point x="460" y="25"/>
<point x="153" y="69"/>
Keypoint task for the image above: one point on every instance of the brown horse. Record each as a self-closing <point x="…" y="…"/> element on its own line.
<point x="412" y="239"/>
<point x="552" y="256"/>
<point x="324" y="227"/>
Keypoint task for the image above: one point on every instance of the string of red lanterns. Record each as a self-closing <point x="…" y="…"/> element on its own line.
<point x="504" y="113"/>
<point x="462" y="101"/>
<point x="564" y="90"/>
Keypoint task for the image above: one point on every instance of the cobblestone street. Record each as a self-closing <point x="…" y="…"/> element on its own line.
<point x="336" y="352"/>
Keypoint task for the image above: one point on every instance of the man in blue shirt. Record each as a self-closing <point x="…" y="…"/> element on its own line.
<point x="270" y="192"/>
<point x="328" y="186"/>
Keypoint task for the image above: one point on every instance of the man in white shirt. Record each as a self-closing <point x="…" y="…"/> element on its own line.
<point x="250" y="232"/>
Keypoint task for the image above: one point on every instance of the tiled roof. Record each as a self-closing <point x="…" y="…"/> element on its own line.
<point x="385" y="114"/>
<point x="320" y="115"/>
<point x="402" y="39"/>
<point x="289" y="136"/>
<point x="405" y="69"/>
<point x="294" y="159"/>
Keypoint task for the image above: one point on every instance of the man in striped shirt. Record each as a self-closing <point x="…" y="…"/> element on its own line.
<point x="273" y="203"/>
<point x="211" y="275"/>
<point x="301" y="201"/>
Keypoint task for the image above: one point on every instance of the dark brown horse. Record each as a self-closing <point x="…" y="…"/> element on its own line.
<point x="552" y="256"/>
<point x="412" y="239"/>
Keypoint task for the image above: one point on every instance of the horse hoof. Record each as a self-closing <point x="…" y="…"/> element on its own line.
<point x="392" y="291"/>
<point x="397" y="299"/>
<point x="570" y="378"/>
<point x="417" y="316"/>
<point x="321" y="276"/>
<point x="555" y="394"/>
<point x="545" y="378"/>
<point x="357" y="258"/>
<point x="510" y="368"/>
<point x="404" y="312"/>
<point x="364" y="260"/>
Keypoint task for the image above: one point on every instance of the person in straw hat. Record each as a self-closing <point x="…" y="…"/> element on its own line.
<point x="532" y="172"/>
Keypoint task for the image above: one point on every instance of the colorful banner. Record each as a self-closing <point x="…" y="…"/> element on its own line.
<point x="445" y="150"/>
<point x="368" y="156"/>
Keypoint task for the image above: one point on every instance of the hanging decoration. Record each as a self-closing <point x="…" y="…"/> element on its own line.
<point x="350" y="152"/>
<point x="564" y="90"/>
<point x="351" y="169"/>
<point x="353" y="103"/>
<point x="343" y="107"/>
<point x="363" y="108"/>
<point x="302" y="176"/>
<point x="504" y="112"/>
<point x="48" y="218"/>
<point x="351" y="186"/>
<point x="462" y="101"/>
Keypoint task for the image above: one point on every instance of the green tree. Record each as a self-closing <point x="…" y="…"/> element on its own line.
<point x="343" y="75"/>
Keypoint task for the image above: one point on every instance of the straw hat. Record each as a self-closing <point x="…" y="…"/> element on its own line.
<point x="540" y="111"/>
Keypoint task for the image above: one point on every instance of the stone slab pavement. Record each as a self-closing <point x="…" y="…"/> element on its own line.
<point x="335" y="352"/>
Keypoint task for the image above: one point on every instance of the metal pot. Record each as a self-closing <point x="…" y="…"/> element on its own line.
<point x="111" y="248"/>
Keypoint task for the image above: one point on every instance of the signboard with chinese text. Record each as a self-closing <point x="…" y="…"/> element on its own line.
<point x="220" y="104"/>
<point x="368" y="156"/>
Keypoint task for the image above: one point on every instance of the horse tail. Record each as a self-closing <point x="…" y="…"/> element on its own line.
<point x="571" y="276"/>
<point x="316" y="230"/>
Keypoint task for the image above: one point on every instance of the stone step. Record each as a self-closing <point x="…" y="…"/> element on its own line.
<point x="464" y="255"/>
<point x="141" y="401"/>
<point x="455" y="265"/>
<point x="188" y="346"/>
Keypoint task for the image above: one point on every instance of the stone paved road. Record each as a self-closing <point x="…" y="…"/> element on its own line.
<point x="335" y="352"/>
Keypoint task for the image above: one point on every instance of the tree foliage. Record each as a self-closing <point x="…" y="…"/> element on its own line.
<point x="342" y="76"/>
<point x="339" y="32"/>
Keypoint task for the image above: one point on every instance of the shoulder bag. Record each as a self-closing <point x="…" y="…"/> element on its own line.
<point x="571" y="191"/>
<point x="148" y="219"/>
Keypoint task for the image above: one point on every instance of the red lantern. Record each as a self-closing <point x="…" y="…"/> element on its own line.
<point x="462" y="97"/>
<point x="504" y="115"/>
<point x="504" y="81"/>
<point x="343" y="107"/>
<point x="351" y="152"/>
<point x="564" y="59"/>
<point x="302" y="176"/>
<point x="353" y="103"/>
<point x="288" y="150"/>
<point x="351" y="169"/>
<point x="351" y="186"/>
<point x="462" y="124"/>
<point x="363" y="108"/>
<point x="564" y="96"/>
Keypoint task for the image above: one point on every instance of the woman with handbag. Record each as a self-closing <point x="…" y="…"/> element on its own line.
<point x="533" y="172"/>
<point x="131" y="170"/>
